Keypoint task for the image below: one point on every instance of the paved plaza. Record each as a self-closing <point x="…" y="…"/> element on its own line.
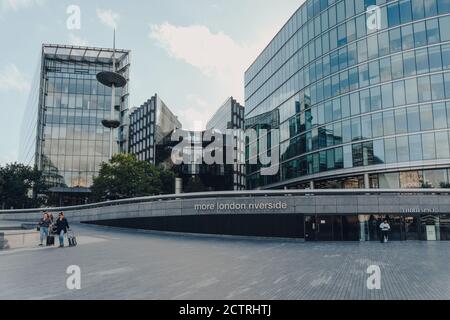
<point x="122" y="264"/>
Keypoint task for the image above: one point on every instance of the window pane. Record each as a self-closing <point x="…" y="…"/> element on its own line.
<point x="389" y="123"/>
<point x="434" y="55"/>
<point x="444" y="26"/>
<point x="424" y="89"/>
<point x="356" y="129"/>
<point x="395" y="40"/>
<point x="390" y="150"/>
<point x="409" y="63"/>
<point x="378" y="152"/>
<point x="387" y="95"/>
<point x="437" y="87"/>
<point x="420" y="34"/>
<point x="399" y="93"/>
<point x="426" y="117"/>
<point x="402" y="149"/>
<point x="440" y="116"/>
<point x="355" y="103"/>
<point x="432" y="31"/>
<point x="429" y="146"/>
<point x="366" y="123"/>
<point x="418" y="9"/>
<point x="411" y="91"/>
<point x="405" y="11"/>
<point x="401" y="123"/>
<point x="422" y="61"/>
<point x="413" y="119"/>
<point x="415" y="147"/>
<point x="377" y="125"/>
<point x="357" y="153"/>
<point x="348" y="157"/>
<point x="443" y="151"/>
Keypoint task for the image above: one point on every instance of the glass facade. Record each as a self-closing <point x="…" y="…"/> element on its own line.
<point x="352" y="101"/>
<point x="231" y="116"/>
<point x="70" y="142"/>
<point x="150" y="124"/>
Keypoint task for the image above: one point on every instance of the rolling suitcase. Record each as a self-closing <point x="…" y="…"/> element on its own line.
<point x="50" y="241"/>
<point x="72" y="239"/>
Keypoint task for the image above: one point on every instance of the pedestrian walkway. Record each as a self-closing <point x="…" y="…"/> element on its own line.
<point x="121" y="264"/>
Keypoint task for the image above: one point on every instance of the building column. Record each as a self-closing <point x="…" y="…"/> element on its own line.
<point x="366" y="181"/>
<point x="311" y="185"/>
<point x="178" y="186"/>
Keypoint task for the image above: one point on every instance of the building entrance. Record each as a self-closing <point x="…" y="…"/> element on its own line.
<point x="331" y="228"/>
<point x="404" y="228"/>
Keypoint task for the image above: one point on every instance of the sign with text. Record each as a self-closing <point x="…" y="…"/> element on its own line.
<point x="237" y="206"/>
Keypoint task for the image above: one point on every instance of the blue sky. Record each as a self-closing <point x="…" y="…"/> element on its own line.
<point x="193" y="53"/>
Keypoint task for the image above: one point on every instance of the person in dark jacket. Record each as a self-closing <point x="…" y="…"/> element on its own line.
<point x="44" y="224"/>
<point x="61" y="228"/>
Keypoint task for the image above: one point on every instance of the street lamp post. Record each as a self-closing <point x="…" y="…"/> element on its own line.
<point x="113" y="80"/>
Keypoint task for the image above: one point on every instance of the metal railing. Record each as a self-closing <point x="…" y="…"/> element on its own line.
<point x="239" y="194"/>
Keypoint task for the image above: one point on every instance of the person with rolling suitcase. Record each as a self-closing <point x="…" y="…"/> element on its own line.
<point x="62" y="225"/>
<point x="71" y="238"/>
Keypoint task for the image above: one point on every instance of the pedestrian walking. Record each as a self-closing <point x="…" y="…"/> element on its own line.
<point x="62" y="225"/>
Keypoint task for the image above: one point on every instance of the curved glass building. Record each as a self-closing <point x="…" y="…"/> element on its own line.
<point x="356" y="106"/>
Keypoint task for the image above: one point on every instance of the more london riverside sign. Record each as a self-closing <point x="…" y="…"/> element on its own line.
<point x="240" y="206"/>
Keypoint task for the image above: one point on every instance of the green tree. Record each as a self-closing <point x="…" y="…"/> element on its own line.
<point x="126" y="177"/>
<point x="21" y="186"/>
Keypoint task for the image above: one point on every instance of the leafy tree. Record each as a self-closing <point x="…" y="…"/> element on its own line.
<point x="21" y="186"/>
<point x="126" y="177"/>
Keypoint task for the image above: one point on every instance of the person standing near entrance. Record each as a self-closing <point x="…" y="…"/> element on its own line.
<point x="61" y="226"/>
<point x="385" y="228"/>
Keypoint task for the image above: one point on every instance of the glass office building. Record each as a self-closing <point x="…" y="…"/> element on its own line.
<point x="151" y="126"/>
<point x="230" y="116"/>
<point x="64" y="136"/>
<point x="356" y="107"/>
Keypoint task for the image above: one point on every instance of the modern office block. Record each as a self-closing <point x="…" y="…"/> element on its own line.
<point x="229" y="120"/>
<point x="356" y="107"/>
<point x="151" y="126"/>
<point x="63" y="133"/>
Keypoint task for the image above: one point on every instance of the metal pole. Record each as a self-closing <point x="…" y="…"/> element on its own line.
<point x="113" y="98"/>
<point x="111" y="130"/>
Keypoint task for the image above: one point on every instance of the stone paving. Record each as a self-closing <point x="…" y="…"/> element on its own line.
<point x="122" y="264"/>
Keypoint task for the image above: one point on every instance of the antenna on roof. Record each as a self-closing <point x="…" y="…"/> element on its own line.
<point x="114" y="51"/>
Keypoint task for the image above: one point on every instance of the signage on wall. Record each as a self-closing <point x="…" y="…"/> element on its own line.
<point x="236" y="206"/>
<point x="420" y="210"/>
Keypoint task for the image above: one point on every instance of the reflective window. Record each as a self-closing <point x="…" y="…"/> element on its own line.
<point x="429" y="146"/>
<point x="415" y="147"/>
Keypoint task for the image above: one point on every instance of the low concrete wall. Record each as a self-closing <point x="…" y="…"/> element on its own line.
<point x="348" y="203"/>
<point x="18" y="239"/>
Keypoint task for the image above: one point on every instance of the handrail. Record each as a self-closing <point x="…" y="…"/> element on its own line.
<point x="226" y="194"/>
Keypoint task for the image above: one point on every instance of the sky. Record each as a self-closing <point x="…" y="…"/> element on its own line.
<point x="192" y="53"/>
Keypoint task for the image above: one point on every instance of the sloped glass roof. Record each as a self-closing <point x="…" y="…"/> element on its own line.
<point x="77" y="53"/>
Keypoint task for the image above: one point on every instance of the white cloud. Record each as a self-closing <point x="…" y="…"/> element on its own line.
<point x="195" y="114"/>
<point x="15" y="5"/>
<point x="216" y="55"/>
<point x="108" y="18"/>
<point x="12" y="79"/>
<point x="77" y="41"/>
